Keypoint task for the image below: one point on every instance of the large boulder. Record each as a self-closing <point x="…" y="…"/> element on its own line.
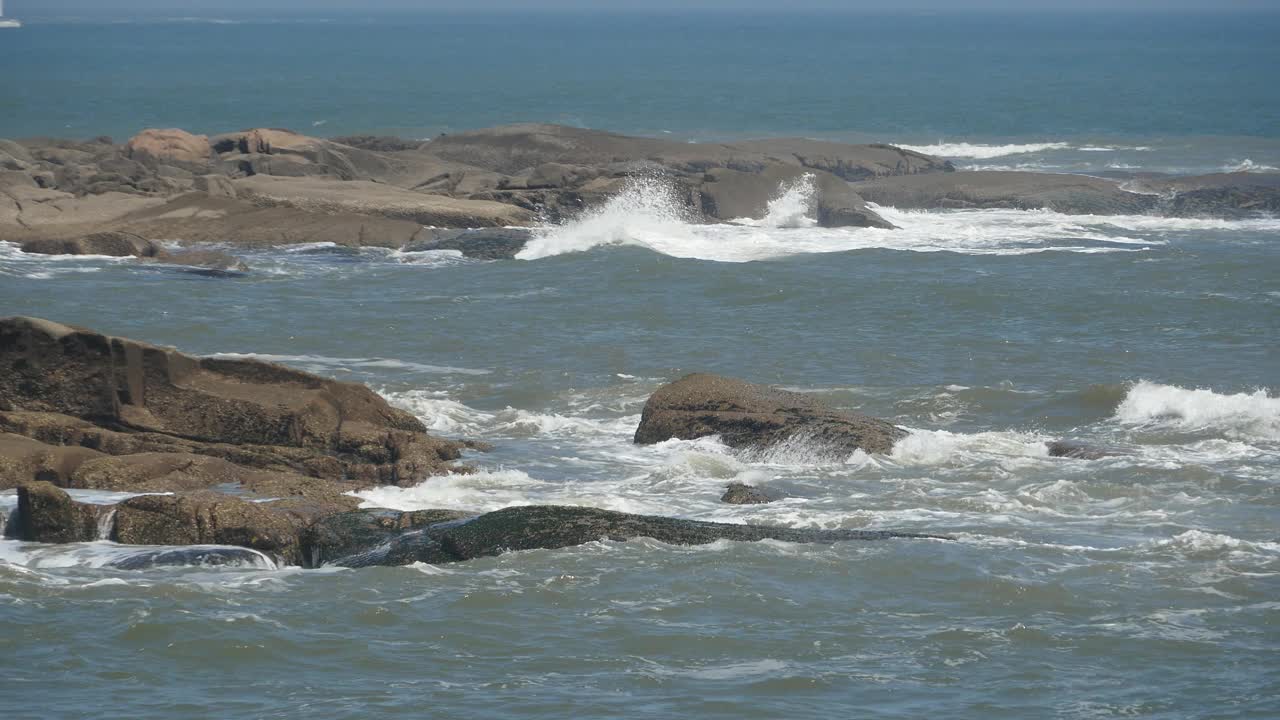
<point x="317" y="426"/>
<point x="47" y="514"/>
<point x="208" y="518"/>
<point x="758" y="417"/>
<point x="1072" y="194"/>
<point x="169" y="146"/>
<point x="113" y="243"/>
<point x="279" y="152"/>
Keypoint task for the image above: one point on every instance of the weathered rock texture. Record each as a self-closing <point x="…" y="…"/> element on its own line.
<point x="757" y="417"/>
<point x="181" y="422"/>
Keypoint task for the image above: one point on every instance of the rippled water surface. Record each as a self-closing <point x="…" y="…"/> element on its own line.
<point x="1143" y="584"/>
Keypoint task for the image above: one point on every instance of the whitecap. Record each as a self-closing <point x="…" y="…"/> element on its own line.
<point x="982" y="152"/>
<point x="1151" y="405"/>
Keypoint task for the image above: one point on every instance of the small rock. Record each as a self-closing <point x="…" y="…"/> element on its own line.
<point x="742" y="494"/>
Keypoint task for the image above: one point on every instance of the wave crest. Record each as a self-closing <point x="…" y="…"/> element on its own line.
<point x="1151" y="405"/>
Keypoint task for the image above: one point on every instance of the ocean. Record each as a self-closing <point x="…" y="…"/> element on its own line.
<point x="1144" y="584"/>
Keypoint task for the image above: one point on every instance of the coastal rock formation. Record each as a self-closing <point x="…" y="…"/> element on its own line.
<point x="68" y="386"/>
<point x="354" y="191"/>
<point x="1231" y="195"/>
<point x="318" y="535"/>
<point x="1073" y="194"/>
<point x="514" y="149"/>
<point x="757" y="417"/>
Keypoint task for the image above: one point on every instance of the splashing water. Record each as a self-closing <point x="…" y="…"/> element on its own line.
<point x="1152" y="405"/>
<point x="648" y="210"/>
<point x="792" y="207"/>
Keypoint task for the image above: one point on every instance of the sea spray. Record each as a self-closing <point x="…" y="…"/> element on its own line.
<point x="792" y="207"/>
<point x="649" y="208"/>
<point x="983" y="152"/>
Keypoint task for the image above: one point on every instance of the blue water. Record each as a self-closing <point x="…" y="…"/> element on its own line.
<point x="894" y="77"/>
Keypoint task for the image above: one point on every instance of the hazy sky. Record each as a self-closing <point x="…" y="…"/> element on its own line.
<point x="17" y="7"/>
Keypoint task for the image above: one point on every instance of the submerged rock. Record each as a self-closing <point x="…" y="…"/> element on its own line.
<point x="187" y="556"/>
<point x="751" y="416"/>
<point x="482" y="243"/>
<point x="742" y="494"/>
<point x="551" y="527"/>
<point x="1081" y="451"/>
<point x="116" y="244"/>
<point x="210" y="263"/>
<point x="354" y="538"/>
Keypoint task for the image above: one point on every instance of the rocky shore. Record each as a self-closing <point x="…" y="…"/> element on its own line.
<point x="215" y="458"/>
<point x="266" y="187"/>
<point x="259" y="456"/>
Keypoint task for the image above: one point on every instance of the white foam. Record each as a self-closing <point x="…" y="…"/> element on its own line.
<point x="1247" y="415"/>
<point x="103" y="554"/>
<point x="939" y="447"/>
<point x="1247" y="165"/>
<point x="647" y="211"/>
<point x="983" y="152"/>
<point x="346" y="363"/>
<point x="793" y="207"/>
<point x="638" y="218"/>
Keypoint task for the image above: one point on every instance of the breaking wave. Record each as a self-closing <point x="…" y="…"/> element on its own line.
<point x="1151" y="405"/>
<point x="983" y="152"/>
<point x="1247" y="165"/>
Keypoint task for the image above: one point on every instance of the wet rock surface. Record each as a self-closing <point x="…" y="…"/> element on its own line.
<point x="742" y="494"/>
<point x="757" y="417"/>
<point x="549" y="527"/>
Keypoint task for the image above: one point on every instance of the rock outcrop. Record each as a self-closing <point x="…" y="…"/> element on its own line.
<point x="758" y="417"/>
<point x="169" y="146"/>
<point x="62" y="386"/>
